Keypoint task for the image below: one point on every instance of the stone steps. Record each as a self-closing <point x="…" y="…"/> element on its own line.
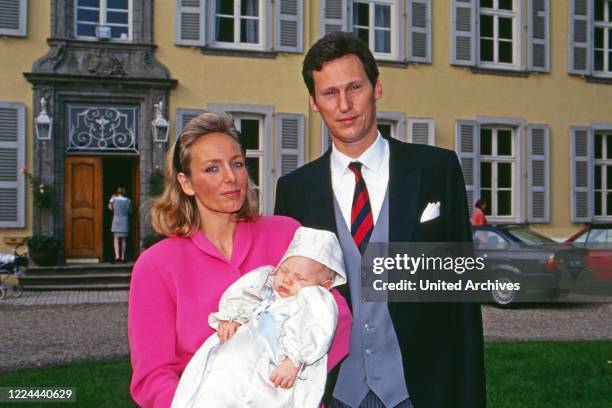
<point x="103" y="276"/>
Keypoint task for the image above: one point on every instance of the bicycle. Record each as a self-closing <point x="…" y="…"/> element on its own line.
<point x="12" y="266"/>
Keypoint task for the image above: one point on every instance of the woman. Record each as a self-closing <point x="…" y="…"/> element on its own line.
<point x="478" y="216"/>
<point x="209" y="211"/>
<point x="121" y="207"/>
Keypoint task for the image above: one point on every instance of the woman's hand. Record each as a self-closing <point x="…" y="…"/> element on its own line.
<point x="226" y="329"/>
<point x="284" y="375"/>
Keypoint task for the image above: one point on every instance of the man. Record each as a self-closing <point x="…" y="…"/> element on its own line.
<point x="367" y="188"/>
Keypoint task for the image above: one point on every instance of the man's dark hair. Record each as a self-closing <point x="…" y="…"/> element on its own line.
<point x="333" y="46"/>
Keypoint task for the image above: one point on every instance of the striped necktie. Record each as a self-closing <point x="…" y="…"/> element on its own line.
<point x="362" y="221"/>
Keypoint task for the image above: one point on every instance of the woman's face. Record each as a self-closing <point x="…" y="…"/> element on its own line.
<point x="218" y="178"/>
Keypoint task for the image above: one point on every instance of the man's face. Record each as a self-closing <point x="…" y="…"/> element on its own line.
<point x="346" y="100"/>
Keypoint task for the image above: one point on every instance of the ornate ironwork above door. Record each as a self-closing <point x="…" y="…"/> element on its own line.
<point x="102" y="128"/>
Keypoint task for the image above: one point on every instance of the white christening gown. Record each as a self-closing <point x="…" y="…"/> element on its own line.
<point x="236" y="373"/>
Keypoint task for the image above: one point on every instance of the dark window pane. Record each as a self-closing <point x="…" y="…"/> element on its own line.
<point x="609" y="10"/>
<point x="362" y="34"/>
<point x="485" y="175"/>
<point x="608" y="204"/>
<point x="609" y="177"/>
<point x="253" y="168"/>
<point x="598" y="203"/>
<point x="486" y="26"/>
<point x="610" y="61"/>
<point x="610" y="34"/>
<point x="599" y="60"/>
<point x="117" y="17"/>
<point x="609" y="147"/>
<point x="385" y="130"/>
<point x="486" y="3"/>
<point x="361" y="14"/>
<point x="86" y="30"/>
<point x="382" y="41"/>
<point x="505" y="28"/>
<point x="225" y="7"/>
<point x="504" y="203"/>
<point x="486" y="196"/>
<point x="504" y="175"/>
<point x="249" y="32"/>
<point x="598" y="145"/>
<point x="505" y="4"/>
<point x="382" y="16"/>
<point x="599" y="10"/>
<point x="486" y="50"/>
<point x="486" y="137"/>
<point x="119" y="32"/>
<point x="249" y="134"/>
<point x="117" y="4"/>
<point x="505" y="52"/>
<point x="598" y="179"/>
<point x="504" y="142"/>
<point x="249" y="8"/>
<point x="88" y="3"/>
<point x="88" y="15"/>
<point x="225" y="29"/>
<point x="599" y="37"/>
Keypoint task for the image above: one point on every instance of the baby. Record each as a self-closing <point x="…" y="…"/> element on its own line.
<point x="274" y="327"/>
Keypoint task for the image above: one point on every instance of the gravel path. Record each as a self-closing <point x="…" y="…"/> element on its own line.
<point x="33" y="336"/>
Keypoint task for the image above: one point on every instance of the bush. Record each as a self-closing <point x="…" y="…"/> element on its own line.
<point x="150" y="240"/>
<point x="43" y="243"/>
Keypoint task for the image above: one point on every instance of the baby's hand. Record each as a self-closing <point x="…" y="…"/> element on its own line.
<point x="226" y="329"/>
<point x="284" y="375"/>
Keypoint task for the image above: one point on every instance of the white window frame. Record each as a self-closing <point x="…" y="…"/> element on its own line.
<point x="397" y="120"/>
<point x="607" y="26"/>
<point x="102" y="21"/>
<point x="265" y="114"/>
<point x="264" y="20"/>
<point x="22" y="26"/>
<point x="517" y="40"/>
<point x="518" y="126"/>
<point x="396" y="28"/>
<point x="604" y="162"/>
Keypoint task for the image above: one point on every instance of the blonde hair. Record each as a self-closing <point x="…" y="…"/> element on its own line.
<point x="175" y="213"/>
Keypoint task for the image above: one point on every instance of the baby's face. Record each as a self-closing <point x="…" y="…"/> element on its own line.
<point x="297" y="272"/>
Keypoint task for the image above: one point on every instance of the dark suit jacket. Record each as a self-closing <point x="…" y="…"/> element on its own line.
<point x="441" y="343"/>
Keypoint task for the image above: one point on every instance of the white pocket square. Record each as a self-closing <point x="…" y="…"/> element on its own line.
<point x="431" y="211"/>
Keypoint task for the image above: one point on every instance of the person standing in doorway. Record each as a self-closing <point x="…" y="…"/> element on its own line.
<point x="121" y="206"/>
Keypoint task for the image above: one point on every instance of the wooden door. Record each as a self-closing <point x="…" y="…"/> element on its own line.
<point x="83" y="205"/>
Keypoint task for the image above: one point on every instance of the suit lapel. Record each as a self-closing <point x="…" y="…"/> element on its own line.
<point x="404" y="192"/>
<point x="319" y="195"/>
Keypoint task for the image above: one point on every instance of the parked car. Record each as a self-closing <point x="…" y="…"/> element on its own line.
<point x="596" y="239"/>
<point x="518" y="254"/>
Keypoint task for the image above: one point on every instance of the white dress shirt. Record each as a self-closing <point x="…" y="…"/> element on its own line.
<point x="375" y="171"/>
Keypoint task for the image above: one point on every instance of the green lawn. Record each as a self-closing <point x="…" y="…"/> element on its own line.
<point x="519" y="374"/>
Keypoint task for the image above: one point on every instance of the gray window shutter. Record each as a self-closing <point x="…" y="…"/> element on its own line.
<point x="467" y="147"/>
<point x="326" y="141"/>
<point x="538" y="208"/>
<point x="14" y="17"/>
<point x="581" y="160"/>
<point x="419" y="30"/>
<point x="289" y="26"/>
<point x="580" y="29"/>
<point x="183" y="116"/>
<point x="539" y="35"/>
<point x="12" y="159"/>
<point x="421" y="131"/>
<point x="333" y="16"/>
<point x="189" y="22"/>
<point x="463" y="32"/>
<point x="290" y="137"/>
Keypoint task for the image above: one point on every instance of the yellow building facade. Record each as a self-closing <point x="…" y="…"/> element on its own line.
<point x="520" y="89"/>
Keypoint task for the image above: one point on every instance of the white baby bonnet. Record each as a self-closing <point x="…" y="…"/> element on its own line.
<point x="321" y="246"/>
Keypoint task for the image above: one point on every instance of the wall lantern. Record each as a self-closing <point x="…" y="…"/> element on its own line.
<point x="161" y="127"/>
<point x="43" y="122"/>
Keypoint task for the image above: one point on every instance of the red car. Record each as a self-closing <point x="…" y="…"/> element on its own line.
<point x="597" y="239"/>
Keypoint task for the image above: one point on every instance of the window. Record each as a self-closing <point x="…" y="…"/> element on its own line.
<point x="602" y="46"/>
<point x="14" y="18"/>
<point x="498" y="28"/>
<point x="373" y="22"/>
<point x="12" y="158"/>
<point x="497" y="169"/>
<point x="238" y="23"/>
<point x="602" y="191"/>
<point x="104" y="19"/>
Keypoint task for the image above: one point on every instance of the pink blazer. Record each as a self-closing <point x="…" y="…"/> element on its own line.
<point x="178" y="282"/>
